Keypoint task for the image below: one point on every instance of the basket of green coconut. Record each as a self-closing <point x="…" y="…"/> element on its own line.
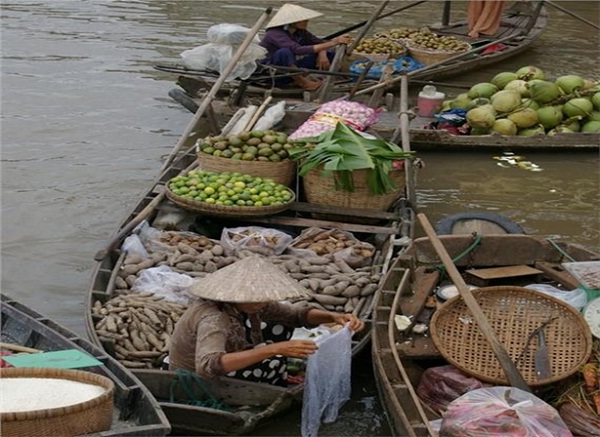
<point x="228" y="194"/>
<point x="257" y="153"/>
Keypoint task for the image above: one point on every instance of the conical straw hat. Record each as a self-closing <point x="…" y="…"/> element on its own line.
<point x="290" y="13"/>
<point x="252" y="279"/>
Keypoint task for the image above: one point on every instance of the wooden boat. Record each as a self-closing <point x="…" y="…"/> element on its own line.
<point x="521" y="26"/>
<point x="399" y="359"/>
<point x="137" y="413"/>
<point x="248" y="405"/>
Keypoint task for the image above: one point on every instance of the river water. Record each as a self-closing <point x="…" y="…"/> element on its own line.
<point x="86" y="121"/>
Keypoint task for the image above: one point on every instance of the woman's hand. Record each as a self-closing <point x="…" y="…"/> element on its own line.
<point x="294" y="348"/>
<point x="356" y="324"/>
<point x="343" y="39"/>
<point x="323" y="61"/>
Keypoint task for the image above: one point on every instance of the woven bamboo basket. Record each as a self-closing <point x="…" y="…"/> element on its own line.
<point x="94" y="415"/>
<point x="282" y="172"/>
<point x="320" y="189"/>
<point x="514" y="313"/>
<point x="429" y="57"/>
<point x="226" y="210"/>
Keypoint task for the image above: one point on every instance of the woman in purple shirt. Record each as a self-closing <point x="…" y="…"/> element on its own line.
<point x="289" y="44"/>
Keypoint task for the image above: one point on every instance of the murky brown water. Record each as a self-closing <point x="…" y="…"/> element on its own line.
<point x="86" y="121"/>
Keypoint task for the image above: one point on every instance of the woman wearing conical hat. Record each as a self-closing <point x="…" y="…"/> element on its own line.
<point x="289" y="44"/>
<point x="241" y="328"/>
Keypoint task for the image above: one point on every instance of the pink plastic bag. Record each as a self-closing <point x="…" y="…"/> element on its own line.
<point x="505" y="411"/>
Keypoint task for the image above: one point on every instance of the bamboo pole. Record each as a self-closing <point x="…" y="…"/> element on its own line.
<point x="217" y="85"/>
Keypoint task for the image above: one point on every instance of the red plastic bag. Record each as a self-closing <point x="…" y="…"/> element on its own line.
<point x="441" y="385"/>
<point x="506" y="411"/>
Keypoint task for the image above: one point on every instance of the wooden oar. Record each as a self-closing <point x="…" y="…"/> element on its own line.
<point x="217" y="85"/>
<point x="19" y="348"/>
<point x="437" y="64"/>
<point x="362" y="23"/>
<point x="566" y="11"/>
<point x="512" y="373"/>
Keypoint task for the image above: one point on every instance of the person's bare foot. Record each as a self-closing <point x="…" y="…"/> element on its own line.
<point x="307" y="84"/>
<point x="474" y="34"/>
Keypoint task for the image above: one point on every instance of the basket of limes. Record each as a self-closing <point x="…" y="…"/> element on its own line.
<point x="258" y="153"/>
<point x="228" y="194"/>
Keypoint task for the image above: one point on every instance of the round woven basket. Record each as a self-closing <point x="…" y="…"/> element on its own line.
<point x="320" y="189"/>
<point x="282" y="172"/>
<point x="87" y="417"/>
<point x="225" y="210"/>
<point x="514" y="313"/>
<point x="429" y="57"/>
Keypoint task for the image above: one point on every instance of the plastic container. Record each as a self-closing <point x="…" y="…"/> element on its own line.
<point x="430" y="101"/>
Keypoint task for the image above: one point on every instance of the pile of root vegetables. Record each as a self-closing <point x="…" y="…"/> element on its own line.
<point x="136" y="326"/>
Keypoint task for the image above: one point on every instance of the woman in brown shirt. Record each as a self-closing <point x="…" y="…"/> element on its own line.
<point x="238" y="328"/>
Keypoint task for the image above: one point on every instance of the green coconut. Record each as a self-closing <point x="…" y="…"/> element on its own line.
<point x="480" y="101"/>
<point x="588" y="84"/>
<point x="504" y="127"/>
<point x="461" y="101"/>
<point x="530" y="72"/>
<point x="483" y="89"/>
<point x="543" y="91"/>
<point x="501" y="79"/>
<point x="573" y="124"/>
<point x="506" y="101"/>
<point x="591" y="127"/>
<point x="518" y="85"/>
<point x="596" y="101"/>
<point x="524" y="118"/>
<point x="594" y="115"/>
<point x="446" y="105"/>
<point x="569" y="83"/>
<point x="531" y="131"/>
<point x="560" y="130"/>
<point x="482" y="116"/>
<point x="528" y="103"/>
<point x="549" y="116"/>
<point x="479" y="131"/>
<point x="578" y="107"/>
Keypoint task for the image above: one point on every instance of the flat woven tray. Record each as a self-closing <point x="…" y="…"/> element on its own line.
<point x="514" y="313"/>
<point x="225" y="210"/>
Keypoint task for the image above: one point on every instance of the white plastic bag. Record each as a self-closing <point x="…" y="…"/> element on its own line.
<point x="271" y="117"/>
<point x="327" y="381"/>
<point x="224" y="42"/>
<point x="163" y="281"/>
<point x="576" y="298"/>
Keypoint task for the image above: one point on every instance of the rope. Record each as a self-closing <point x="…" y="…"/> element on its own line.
<point x="191" y="384"/>
<point x="560" y="250"/>
<point x="468" y="250"/>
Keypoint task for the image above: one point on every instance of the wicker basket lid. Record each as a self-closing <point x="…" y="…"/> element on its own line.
<point x="514" y="313"/>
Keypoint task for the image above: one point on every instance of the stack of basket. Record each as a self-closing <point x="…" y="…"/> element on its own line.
<point x="282" y="172"/>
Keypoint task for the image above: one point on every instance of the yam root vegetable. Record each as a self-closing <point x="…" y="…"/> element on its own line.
<point x="133" y="364"/>
<point x="325" y="299"/>
<point x="579" y="421"/>
<point x="318" y="260"/>
<point x="330" y="290"/>
<point x="341" y="286"/>
<point x="368" y="289"/>
<point x="592" y="383"/>
<point x="186" y="266"/>
<point x="210" y="267"/>
<point x="351" y="291"/>
<point x="133" y="258"/>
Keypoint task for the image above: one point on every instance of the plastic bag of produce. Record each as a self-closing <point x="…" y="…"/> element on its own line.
<point x="324" y="241"/>
<point x="506" y="411"/>
<point x="402" y="64"/>
<point x="265" y="241"/>
<point x="359" y="255"/>
<point x="441" y="385"/>
<point x="353" y="114"/>
<point x="163" y="281"/>
<point x="224" y="41"/>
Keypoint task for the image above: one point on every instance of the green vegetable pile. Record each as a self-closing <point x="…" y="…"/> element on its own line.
<point x="343" y="150"/>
